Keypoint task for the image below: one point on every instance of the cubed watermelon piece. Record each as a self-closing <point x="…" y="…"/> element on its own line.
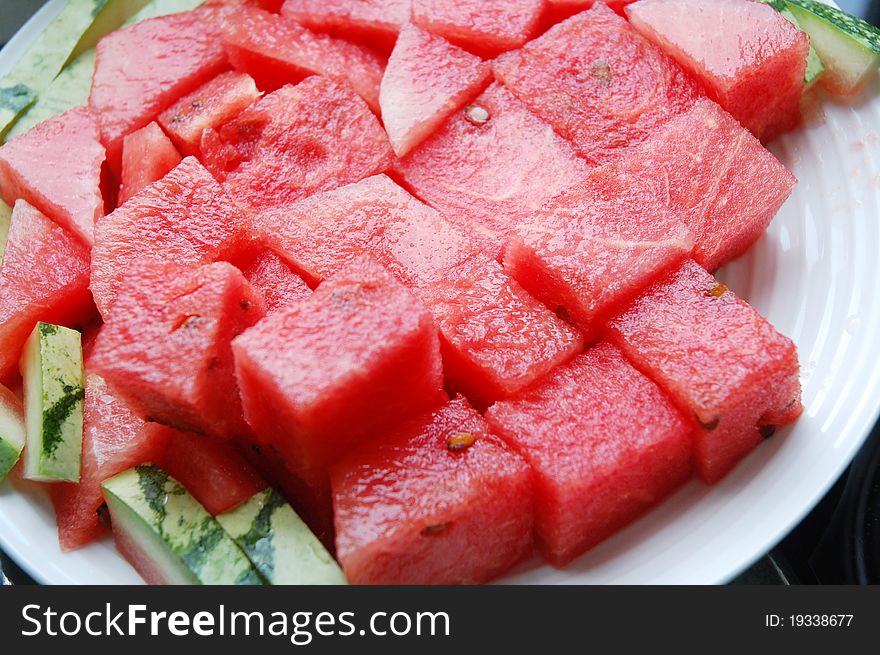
<point x="490" y="164"/>
<point x="295" y="142"/>
<point x="114" y="440"/>
<point x="426" y="80"/>
<point x="345" y="364"/>
<point x="141" y="70"/>
<point x="749" y="58"/>
<point x="212" y="471"/>
<point x="275" y="281"/>
<point x="728" y="370"/>
<point x="278" y="51"/>
<point x="147" y="156"/>
<point x="592" y="249"/>
<point x="605" y="445"/>
<point x="56" y="167"/>
<point x="715" y="176"/>
<point x="486" y="26"/>
<point x="440" y="500"/>
<point x="166" y="346"/>
<point x="185" y="218"/>
<point x="567" y="7"/>
<point x="44" y="276"/>
<point x="371" y="20"/>
<point x="497" y="339"/>
<point x="597" y="82"/>
<point x="211" y="105"/>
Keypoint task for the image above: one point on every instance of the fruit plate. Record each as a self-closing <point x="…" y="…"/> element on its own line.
<point x="813" y="275"/>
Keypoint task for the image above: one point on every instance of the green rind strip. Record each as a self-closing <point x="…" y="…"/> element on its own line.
<point x="9" y="456"/>
<point x="5" y="219"/>
<point x="11" y="435"/>
<point x="279" y="544"/>
<point x="854" y="27"/>
<point x="178" y="524"/>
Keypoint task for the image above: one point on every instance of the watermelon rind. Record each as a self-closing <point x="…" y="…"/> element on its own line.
<point x="278" y="542"/>
<point x="5" y="220"/>
<point x="174" y="531"/>
<point x="12" y="434"/>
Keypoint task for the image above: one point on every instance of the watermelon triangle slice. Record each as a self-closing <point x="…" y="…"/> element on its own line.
<point x="147" y="156"/>
<point x="56" y="167"/>
<point x="358" y="19"/>
<point x="44" y="277"/>
<point x="426" y="80"/>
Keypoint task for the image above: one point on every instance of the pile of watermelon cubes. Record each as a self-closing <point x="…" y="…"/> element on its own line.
<point x="441" y="271"/>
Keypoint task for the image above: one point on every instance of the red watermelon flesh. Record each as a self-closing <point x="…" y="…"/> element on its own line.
<point x="212" y="471"/>
<point x="297" y="141"/>
<point x="56" y="167"/>
<point x="141" y="70"/>
<point x="185" y="218"/>
<point x="267" y="5"/>
<point x="369" y="20"/>
<point x="147" y="156"/>
<point x="715" y="176"/>
<point x="496" y="338"/>
<point x="345" y="364"/>
<point x="426" y="80"/>
<point x="569" y="7"/>
<point x="44" y="276"/>
<point x="440" y="500"/>
<point x="488" y="26"/>
<point x="484" y="175"/>
<point x="114" y="440"/>
<point x="591" y="250"/>
<point x="750" y="59"/>
<point x="278" y="51"/>
<point x="211" y="105"/>
<point x="605" y="445"/>
<point x="277" y="283"/>
<point x="597" y="82"/>
<point x="725" y="366"/>
<point x="166" y="347"/>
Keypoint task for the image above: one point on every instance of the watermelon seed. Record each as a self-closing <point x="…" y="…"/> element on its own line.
<point x="767" y="431"/>
<point x="708" y="426"/>
<point x="602" y="72"/>
<point x="718" y="290"/>
<point x="434" y="529"/>
<point x="476" y="115"/>
<point x="460" y="442"/>
<point x="245" y="304"/>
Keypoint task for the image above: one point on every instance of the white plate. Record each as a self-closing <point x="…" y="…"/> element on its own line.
<point x="815" y="275"/>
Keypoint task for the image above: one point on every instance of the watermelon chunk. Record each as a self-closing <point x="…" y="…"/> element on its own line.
<point x="715" y="176"/>
<point x="211" y="105"/>
<point x="56" y="167"/>
<point x="338" y="367"/>
<point x="373" y="20"/>
<point x="186" y="218"/>
<point x="426" y="80"/>
<point x="295" y="142"/>
<point x="141" y="70"/>
<point x="275" y="281"/>
<point x="496" y="338"/>
<point x="728" y="370"/>
<point x="114" y="440"/>
<point x="44" y="276"/>
<point x="604" y="443"/>
<point x="212" y="471"/>
<point x="165" y="348"/>
<point x="568" y="7"/>
<point x="597" y="82"/>
<point x="440" y="500"/>
<point x="278" y="51"/>
<point x="750" y="59"/>
<point x="491" y="164"/>
<point x="147" y="156"/>
<point x="592" y="249"/>
<point x="486" y="26"/>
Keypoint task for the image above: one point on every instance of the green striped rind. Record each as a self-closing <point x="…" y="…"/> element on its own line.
<point x="854" y="27"/>
<point x="157" y="511"/>
<point x="72" y="85"/>
<point x="279" y="544"/>
<point x="5" y="218"/>
<point x="52" y="369"/>
<point x="11" y="436"/>
<point x="815" y="68"/>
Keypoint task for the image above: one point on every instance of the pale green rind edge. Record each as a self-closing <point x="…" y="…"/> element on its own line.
<point x="855" y="28"/>
<point x="5" y="219"/>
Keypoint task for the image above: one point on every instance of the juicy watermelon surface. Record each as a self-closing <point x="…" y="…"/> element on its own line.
<point x="440" y="500"/>
<point x="56" y="167"/>
<point x="275" y="281"/>
<point x="750" y="59"/>
<point x="147" y="156"/>
<point x="357" y="19"/>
